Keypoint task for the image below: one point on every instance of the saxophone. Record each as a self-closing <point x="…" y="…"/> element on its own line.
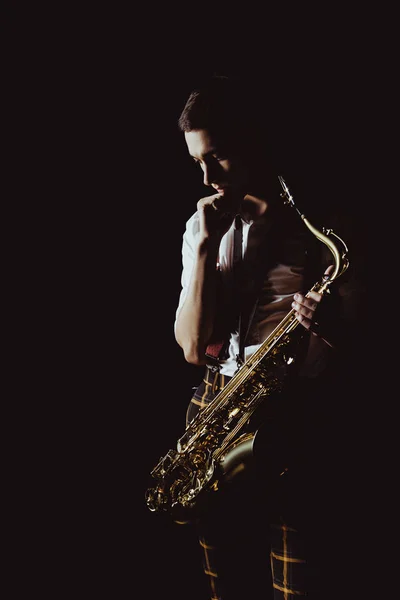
<point x="215" y="442"/>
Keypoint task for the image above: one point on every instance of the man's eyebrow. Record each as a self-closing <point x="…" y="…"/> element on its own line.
<point x="210" y="152"/>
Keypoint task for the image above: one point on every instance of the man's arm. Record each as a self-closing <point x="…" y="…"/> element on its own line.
<point x="195" y="319"/>
<point x="194" y="322"/>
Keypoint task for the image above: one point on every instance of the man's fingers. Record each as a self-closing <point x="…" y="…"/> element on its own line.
<point x="312" y="297"/>
<point x="209" y="201"/>
<point x="226" y="203"/>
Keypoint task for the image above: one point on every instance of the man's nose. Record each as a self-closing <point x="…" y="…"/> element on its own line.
<point x="209" y="175"/>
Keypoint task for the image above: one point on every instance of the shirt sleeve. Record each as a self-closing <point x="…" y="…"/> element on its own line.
<point x="188" y="257"/>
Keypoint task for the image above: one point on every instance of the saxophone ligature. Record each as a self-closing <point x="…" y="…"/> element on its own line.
<point x="217" y="439"/>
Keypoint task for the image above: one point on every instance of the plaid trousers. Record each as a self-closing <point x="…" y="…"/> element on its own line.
<point x="249" y="552"/>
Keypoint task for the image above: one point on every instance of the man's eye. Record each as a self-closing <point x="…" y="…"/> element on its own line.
<point x="219" y="157"/>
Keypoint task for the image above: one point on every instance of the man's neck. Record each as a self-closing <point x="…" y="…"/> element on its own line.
<point x="253" y="207"/>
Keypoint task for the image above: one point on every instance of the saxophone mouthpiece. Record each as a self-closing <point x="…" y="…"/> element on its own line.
<point x="287" y="196"/>
<point x="286" y="193"/>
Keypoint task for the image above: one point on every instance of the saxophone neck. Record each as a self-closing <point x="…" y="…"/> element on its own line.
<point x="335" y="244"/>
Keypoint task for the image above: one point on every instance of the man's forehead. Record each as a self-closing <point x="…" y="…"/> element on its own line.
<point x="201" y="142"/>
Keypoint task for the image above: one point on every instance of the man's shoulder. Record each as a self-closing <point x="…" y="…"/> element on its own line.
<point x="192" y="225"/>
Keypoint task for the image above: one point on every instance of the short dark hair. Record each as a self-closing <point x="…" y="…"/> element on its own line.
<point x="221" y="106"/>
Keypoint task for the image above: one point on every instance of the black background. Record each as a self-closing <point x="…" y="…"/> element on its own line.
<point x="108" y="188"/>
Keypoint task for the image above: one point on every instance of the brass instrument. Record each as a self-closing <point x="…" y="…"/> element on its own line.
<point x="215" y="441"/>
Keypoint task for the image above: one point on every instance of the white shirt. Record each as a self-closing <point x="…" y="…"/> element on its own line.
<point x="282" y="281"/>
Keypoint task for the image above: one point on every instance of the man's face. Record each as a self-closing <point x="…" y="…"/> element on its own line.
<point x="223" y="171"/>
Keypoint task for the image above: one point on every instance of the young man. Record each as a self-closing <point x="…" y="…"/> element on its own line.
<point x="248" y="259"/>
